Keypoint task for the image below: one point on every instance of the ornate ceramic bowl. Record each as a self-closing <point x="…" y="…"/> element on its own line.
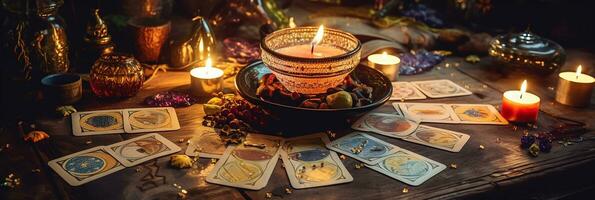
<point x="310" y="75"/>
<point x="295" y="119"/>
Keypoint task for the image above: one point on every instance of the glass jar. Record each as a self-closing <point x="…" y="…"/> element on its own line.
<point x="116" y="75"/>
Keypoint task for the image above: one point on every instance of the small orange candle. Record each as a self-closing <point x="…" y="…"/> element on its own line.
<point x="520" y="106"/>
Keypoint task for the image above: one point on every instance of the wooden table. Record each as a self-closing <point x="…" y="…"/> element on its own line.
<point x="501" y="170"/>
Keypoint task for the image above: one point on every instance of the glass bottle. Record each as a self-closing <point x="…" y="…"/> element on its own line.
<point x="50" y="44"/>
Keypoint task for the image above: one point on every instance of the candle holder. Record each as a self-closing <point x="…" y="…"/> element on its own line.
<point x="310" y="75"/>
<point x="574" y="89"/>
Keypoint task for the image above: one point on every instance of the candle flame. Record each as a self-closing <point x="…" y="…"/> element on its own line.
<point x="384" y="54"/>
<point x="291" y="23"/>
<point x="208" y="63"/>
<point x="318" y="37"/>
<point x="578" y="71"/>
<point x="523" y="88"/>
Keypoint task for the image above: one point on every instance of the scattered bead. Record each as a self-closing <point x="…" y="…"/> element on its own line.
<point x="213" y="160"/>
<point x="453" y="165"/>
<point x="481" y="147"/>
<point x="288" y="191"/>
<point x="11" y="181"/>
<point x="138" y="169"/>
<point x="181" y="140"/>
<point x="359" y="165"/>
<point x="268" y="195"/>
<point x="405" y="190"/>
<point x="342" y="157"/>
<point x="88" y="142"/>
<point x="36" y="170"/>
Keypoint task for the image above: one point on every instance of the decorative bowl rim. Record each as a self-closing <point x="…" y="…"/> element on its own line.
<point x="381" y="101"/>
<point x="342" y="56"/>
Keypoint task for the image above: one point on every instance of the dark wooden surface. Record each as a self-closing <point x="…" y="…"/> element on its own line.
<point x="501" y="170"/>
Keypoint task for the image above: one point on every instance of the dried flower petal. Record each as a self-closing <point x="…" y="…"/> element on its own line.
<point x="180" y="161"/>
<point x="36" y="136"/>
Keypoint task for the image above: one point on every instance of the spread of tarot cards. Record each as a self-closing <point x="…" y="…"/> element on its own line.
<point x="409" y="129"/>
<point x="134" y="120"/>
<point x="91" y="164"/>
<point x="451" y="113"/>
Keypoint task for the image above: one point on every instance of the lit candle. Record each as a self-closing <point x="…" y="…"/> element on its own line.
<point x="574" y="88"/>
<point x="207" y="80"/>
<point x="387" y="64"/>
<point x="520" y="106"/>
<point x="312" y="50"/>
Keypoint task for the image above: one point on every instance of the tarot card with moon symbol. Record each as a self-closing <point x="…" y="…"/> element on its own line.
<point x="408" y="167"/>
<point x="405" y="91"/>
<point x="206" y="144"/>
<point x="390" y="125"/>
<point x="143" y="148"/>
<point x="85" y="166"/>
<point x="310" y="164"/>
<point x="248" y="165"/>
<point x="140" y="120"/>
<point x="362" y="147"/>
<point x="97" y="122"/>
<point x="441" y="88"/>
<point x="428" y="112"/>
<point x="438" y="138"/>
<point x="478" y="114"/>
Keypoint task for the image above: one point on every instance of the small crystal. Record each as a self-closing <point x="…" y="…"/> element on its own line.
<point x="453" y="165"/>
<point x="359" y="165"/>
<point x="89" y="142"/>
<point x="342" y="157"/>
<point x="268" y="195"/>
<point x="288" y="191"/>
<point x="181" y="140"/>
<point x="138" y="169"/>
<point x="481" y="147"/>
<point x="405" y="190"/>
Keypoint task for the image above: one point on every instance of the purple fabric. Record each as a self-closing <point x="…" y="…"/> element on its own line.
<point x="170" y="98"/>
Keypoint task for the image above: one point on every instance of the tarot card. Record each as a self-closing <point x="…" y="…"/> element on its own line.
<point x="207" y="144"/>
<point x="438" y="138"/>
<point x="408" y="167"/>
<point x="405" y="91"/>
<point x="97" y="122"/>
<point x="362" y="147"/>
<point x="85" y="166"/>
<point x="310" y="164"/>
<point x="386" y="124"/>
<point x="141" y="149"/>
<point x="441" y="88"/>
<point x="140" y="120"/>
<point x="478" y="114"/>
<point x="428" y="112"/>
<point x="248" y="165"/>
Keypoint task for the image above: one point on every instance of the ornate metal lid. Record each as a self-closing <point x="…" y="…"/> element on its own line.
<point x="528" y="44"/>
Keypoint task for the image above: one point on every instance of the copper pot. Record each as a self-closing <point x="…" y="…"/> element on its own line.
<point x="149" y="35"/>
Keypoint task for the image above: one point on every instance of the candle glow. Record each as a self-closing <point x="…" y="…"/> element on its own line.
<point x="291" y="23"/>
<point x="574" y="88"/>
<point x="317" y="38"/>
<point x="520" y="105"/>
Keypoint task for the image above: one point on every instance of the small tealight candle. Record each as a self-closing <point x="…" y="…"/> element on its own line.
<point x="574" y="88"/>
<point x="519" y="105"/>
<point x="207" y="80"/>
<point x="387" y="64"/>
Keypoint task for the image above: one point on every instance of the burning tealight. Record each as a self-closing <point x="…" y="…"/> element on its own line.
<point x="207" y="80"/>
<point x="387" y="64"/>
<point x="519" y="105"/>
<point x="312" y="50"/>
<point x="574" y="88"/>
